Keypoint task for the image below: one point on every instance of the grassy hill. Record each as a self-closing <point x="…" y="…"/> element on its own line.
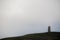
<point x="37" y="36"/>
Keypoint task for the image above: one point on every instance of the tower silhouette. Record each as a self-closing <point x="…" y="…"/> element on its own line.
<point x="49" y="30"/>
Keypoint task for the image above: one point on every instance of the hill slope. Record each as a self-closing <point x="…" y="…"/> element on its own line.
<point x="37" y="36"/>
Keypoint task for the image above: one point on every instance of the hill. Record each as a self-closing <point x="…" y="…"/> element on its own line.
<point x="37" y="36"/>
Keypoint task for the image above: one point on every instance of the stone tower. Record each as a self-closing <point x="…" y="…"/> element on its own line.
<point x="49" y="30"/>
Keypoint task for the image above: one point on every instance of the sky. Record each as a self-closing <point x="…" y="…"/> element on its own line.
<point x="20" y="17"/>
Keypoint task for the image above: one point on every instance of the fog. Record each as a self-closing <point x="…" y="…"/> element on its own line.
<point x="20" y="17"/>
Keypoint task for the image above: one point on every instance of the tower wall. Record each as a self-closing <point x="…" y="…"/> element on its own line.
<point x="49" y="30"/>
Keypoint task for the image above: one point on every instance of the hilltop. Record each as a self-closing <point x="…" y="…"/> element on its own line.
<point x="37" y="36"/>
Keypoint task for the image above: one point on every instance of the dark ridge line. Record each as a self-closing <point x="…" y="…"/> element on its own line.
<point x="30" y="34"/>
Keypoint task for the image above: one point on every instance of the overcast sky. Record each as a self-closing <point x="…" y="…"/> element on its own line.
<point x="20" y="17"/>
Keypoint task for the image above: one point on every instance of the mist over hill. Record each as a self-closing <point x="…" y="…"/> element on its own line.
<point x="37" y="36"/>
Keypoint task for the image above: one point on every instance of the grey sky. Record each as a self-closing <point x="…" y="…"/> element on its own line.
<point x="21" y="17"/>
